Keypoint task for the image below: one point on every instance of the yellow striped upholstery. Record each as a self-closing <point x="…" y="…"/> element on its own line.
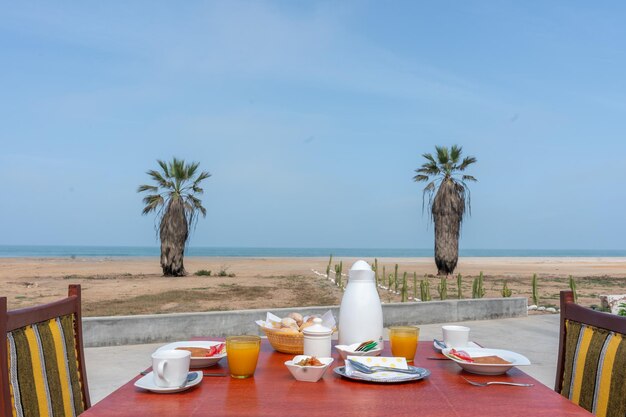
<point x="44" y="379"/>
<point x="594" y="374"/>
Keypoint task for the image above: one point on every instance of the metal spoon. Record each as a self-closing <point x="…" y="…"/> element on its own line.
<point x="371" y="369"/>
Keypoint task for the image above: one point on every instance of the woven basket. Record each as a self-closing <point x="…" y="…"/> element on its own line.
<point x="285" y="342"/>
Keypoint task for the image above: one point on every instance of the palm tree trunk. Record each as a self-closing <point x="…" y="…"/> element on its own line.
<point x="173" y="232"/>
<point x="448" y="208"/>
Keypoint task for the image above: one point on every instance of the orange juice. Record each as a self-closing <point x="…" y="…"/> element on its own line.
<point x="404" y="341"/>
<point x="242" y="353"/>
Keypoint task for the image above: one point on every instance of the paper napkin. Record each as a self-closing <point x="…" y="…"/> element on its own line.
<point x="390" y="362"/>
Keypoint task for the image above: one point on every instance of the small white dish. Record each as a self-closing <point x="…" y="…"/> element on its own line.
<point x="349" y="350"/>
<point x="438" y="345"/>
<point x="515" y="359"/>
<point x="308" y="373"/>
<point x="197" y="362"/>
<point x="147" y="382"/>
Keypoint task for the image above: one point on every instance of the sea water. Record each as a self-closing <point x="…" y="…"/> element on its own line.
<point x="7" y="251"/>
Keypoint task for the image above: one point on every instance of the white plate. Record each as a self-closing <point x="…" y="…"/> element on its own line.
<point x="197" y="362"/>
<point x="345" y="350"/>
<point x="422" y="373"/>
<point x="437" y="347"/>
<point x="147" y="383"/>
<point x="488" y="369"/>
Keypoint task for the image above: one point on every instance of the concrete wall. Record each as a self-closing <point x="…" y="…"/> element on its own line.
<point x="126" y="330"/>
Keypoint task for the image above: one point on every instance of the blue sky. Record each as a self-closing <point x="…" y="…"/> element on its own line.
<point x="312" y="116"/>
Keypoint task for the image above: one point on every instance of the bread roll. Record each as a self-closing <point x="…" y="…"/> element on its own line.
<point x="289" y="322"/>
<point x="297" y="317"/>
<point x="305" y="325"/>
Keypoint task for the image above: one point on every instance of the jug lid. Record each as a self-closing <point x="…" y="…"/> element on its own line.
<point x="317" y="329"/>
<point x="361" y="271"/>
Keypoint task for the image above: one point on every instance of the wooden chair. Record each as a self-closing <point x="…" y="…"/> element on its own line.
<point x="591" y="368"/>
<point x="42" y="363"/>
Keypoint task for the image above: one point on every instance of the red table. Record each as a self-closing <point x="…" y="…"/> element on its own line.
<point x="273" y="392"/>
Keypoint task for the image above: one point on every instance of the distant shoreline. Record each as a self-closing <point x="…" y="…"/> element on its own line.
<point x="133" y="252"/>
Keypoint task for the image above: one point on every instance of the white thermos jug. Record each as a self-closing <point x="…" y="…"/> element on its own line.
<point x="360" y="314"/>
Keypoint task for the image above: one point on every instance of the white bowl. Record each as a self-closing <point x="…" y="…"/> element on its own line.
<point x="484" y="368"/>
<point x="197" y="362"/>
<point x="308" y="373"/>
<point x="349" y="350"/>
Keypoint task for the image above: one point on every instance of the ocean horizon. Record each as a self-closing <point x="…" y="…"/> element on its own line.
<point x="52" y="251"/>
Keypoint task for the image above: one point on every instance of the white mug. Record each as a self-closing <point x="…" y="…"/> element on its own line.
<point x="455" y="336"/>
<point x="170" y="367"/>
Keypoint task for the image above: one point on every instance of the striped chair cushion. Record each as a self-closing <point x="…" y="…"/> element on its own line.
<point x="594" y="374"/>
<point x="43" y="370"/>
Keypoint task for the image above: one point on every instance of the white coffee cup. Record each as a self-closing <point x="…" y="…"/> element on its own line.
<point x="170" y="367"/>
<point x="455" y="336"/>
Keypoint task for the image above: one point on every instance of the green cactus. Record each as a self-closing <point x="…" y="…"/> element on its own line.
<point x="572" y="286"/>
<point x="425" y="289"/>
<point x="459" y="288"/>
<point x="414" y="285"/>
<point x="330" y="261"/>
<point x="395" y="278"/>
<point x="376" y="270"/>
<point x="338" y="271"/>
<point x="405" y="292"/>
<point x="382" y="279"/>
<point x="442" y="288"/>
<point x="506" y="292"/>
<point x="477" y="286"/>
<point x="535" y="295"/>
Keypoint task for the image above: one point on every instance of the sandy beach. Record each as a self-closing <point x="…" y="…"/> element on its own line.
<point x="114" y="286"/>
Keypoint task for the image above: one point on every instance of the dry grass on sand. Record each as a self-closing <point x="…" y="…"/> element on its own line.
<point x="135" y="286"/>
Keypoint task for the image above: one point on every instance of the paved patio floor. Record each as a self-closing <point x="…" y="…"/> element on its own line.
<point x="536" y="337"/>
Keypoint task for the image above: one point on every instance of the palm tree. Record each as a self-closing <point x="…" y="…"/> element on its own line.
<point x="174" y="200"/>
<point x="448" y="184"/>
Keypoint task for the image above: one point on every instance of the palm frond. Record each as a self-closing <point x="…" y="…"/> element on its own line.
<point x="455" y="153"/>
<point x="419" y="178"/>
<point x="196" y="204"/>
<point x="469" y="178"/>
<point x="164" y="167"/>
<point x="152" y="202"/>
<point x="156" y="176"/>
<point x="150" y="188"/>
<point x="430" y="187"/>
<point x="429" y="157"/>
<point x="190" y="170"/>
<point x="467" y="161"/>
<point x="203" y="176"/>
<point x="429" y="168"/>
<point x="442" y="155"/>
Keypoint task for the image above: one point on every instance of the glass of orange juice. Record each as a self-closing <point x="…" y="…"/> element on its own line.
<point x="242" y="353"/>
<point x="404" y="341"/>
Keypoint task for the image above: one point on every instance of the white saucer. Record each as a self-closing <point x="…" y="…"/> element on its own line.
<point x="470" y="344"/>
<point x="147" y="383"/>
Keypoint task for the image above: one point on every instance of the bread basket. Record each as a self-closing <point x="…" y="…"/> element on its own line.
<point x="285" y="342"/>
